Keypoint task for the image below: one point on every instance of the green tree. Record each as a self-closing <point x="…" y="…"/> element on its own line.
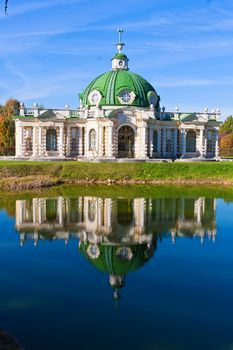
<point x="227" y="126"/>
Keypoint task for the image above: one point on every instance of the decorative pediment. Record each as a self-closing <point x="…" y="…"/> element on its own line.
<point x="194" y="117"/>
<point x="50" y="114"/>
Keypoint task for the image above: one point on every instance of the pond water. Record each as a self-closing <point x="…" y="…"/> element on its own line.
<point x="117" y="273"/>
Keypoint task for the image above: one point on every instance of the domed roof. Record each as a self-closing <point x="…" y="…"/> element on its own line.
<point x="112" y="84"/>
<point x="117" y="259"/>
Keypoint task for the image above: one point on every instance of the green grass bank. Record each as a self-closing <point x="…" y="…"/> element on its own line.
<point x="20" y="174"/>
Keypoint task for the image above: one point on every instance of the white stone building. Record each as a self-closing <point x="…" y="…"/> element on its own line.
<point x="119" y="117"/>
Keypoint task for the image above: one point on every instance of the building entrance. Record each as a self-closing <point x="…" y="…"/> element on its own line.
<point x="126" y="142"/>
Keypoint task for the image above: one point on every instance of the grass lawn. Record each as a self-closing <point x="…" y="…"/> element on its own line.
<point x="72" y="170"/>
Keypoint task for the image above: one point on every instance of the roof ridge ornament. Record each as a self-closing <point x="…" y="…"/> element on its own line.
<point x="120" y="44"/>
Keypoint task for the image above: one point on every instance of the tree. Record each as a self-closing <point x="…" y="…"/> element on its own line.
<point x="227" y="126"/>
<point x="226" y="145"/>
<point x="7" y="126"/>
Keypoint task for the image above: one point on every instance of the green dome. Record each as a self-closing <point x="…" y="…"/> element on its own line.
<point x="109" y="261"/>
<point x="120" y="55"/>
<point x="110" y="85"/>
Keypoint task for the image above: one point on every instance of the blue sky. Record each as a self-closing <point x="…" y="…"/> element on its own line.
<point x="51" y="49"/>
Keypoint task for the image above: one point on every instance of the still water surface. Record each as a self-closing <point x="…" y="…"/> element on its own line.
<point x="102" y="273"/>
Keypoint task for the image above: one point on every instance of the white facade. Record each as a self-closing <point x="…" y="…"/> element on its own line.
<point x="116" y="119"/>
<point x="95" y="134"/>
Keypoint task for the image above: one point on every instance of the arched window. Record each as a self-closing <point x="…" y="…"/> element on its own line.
<point x="51" y="140"/>
<point x="92" y="139"/>
<point x="191" y="141"/>
<point x="155" y="141"/>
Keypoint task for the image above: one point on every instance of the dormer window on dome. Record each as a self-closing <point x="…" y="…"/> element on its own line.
<point x="94" y="97"/>
<point x="126" y="97"/>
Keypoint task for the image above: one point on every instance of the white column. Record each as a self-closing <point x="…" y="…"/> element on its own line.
<point x="183" y="143"/>
<point x="201" y="143"/>
<point x="60" y="204"/>
<point x="34" y="210"/>
<point x="68" y="134"/>
<point x="175" y="144"/>
<point x="197" y="209"/>
<point x="143" y="142"/>
<point x="61" y="143"/>
<point x="34" y="142"/>
<point x="151" y="131"/>
<point x="40" y="142"/>
<point x="22" y="140"/>
<point x="40" y="211"/>
<point x="110" y="142"/>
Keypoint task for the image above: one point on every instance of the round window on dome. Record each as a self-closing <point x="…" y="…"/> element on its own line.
<point x="126" y="96"/>
<point x="94" y="97"/>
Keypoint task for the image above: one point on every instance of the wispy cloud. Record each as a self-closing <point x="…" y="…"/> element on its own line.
<point x="54" y="47"/>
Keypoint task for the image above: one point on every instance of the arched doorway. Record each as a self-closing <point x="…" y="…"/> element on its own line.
<point x="51" y="140"/>
<point x="126" y="142"/>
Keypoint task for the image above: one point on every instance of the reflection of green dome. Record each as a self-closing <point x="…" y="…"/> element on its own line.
<point x="113" y="263"/>
<point x="112" y="83"/>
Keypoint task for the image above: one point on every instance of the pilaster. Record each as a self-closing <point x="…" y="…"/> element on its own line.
<point x="175" y="144"/>
<point x="61" y="141"/>
<point x="68" y="140"/>
<point x="143" y="142"/>
<point x="41" y="142"/>
<point x="183" y="143"/>
<point x="151" y="131"/>
<point x="34" y="142"/>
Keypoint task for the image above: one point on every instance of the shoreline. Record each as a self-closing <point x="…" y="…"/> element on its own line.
<point x="39" y="182"/>
<point x="24" y="176"/>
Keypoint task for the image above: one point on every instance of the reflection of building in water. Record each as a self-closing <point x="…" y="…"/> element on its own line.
<point x="99" y="220"/>
<point x="116" y="235"/>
